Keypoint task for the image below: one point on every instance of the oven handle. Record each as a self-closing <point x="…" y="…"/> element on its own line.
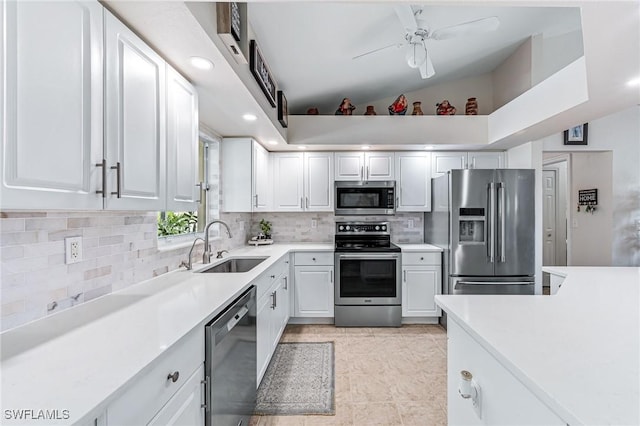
<point x="365" y="255"/>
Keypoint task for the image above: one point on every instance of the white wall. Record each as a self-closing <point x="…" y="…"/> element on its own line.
<point x="559" y="51"/>
<point x="620" y="134"/>
<point x="513" y="77"/>
<point x="529" y="156"/>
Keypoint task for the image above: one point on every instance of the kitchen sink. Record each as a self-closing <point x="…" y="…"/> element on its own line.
<point x="235" y="264"/>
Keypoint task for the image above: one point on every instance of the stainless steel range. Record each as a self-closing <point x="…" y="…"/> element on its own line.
<point x="367" y="276"/>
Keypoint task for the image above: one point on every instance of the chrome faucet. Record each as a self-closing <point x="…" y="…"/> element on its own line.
<point x="206" y="256"/>
<point x="187" y="264"/>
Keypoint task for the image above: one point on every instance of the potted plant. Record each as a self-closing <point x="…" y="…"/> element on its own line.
<point x="265" y="227"/>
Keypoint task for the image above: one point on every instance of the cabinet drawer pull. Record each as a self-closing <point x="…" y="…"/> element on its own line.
<point x="118" y="169"/>
<point x="286" y="285"/>
<point x="174" y="376"/>
<point x="272" y="276"/>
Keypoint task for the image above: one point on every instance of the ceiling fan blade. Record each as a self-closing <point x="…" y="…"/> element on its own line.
<point x="397" y="45"/>
<point x="407" y="17"/>
<point x="426" y="69"/>
<point x="478" y="26"/>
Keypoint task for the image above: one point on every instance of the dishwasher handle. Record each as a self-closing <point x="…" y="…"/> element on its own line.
<point x="237" y="317"/>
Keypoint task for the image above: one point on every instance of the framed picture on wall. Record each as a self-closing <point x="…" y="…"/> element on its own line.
<point x="576" y="135"/>
<point x="282" y="109"/>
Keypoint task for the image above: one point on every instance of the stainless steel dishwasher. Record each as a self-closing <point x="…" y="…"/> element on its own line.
<point x="230" y="363"/>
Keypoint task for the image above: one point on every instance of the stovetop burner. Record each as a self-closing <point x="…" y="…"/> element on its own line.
<point x="364" y="236"/>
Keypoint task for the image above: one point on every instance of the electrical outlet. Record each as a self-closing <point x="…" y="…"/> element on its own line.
<point x="73" y="249"/>
<point x="314" y="223"/>
<point x="410" y="223"/>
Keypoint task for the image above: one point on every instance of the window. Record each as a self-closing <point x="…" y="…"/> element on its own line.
<point x="172" y="224"/>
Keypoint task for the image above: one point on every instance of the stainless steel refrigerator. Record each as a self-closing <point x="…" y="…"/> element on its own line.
<point x="485" y="222"/>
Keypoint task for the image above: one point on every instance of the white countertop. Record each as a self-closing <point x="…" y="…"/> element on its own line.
<point x="78" y="359"/>
<point x="417" y="247"/>
<point x="577" y="351"/>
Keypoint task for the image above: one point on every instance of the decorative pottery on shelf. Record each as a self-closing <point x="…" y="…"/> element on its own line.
<point x="345" y="108"/>
<point x="312" y="111"/>
<point x="445" y="108"/>
<point x="370" y="110"/>
<point x="399" y="107"/>
<point x="471" y="107"/>
<point x="417" y="109"/>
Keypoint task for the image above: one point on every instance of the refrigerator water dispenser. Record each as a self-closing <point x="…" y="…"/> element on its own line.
<point x="471" y="226"/>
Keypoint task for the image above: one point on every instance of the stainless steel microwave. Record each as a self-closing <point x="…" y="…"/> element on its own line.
<point x="365" y="198"/>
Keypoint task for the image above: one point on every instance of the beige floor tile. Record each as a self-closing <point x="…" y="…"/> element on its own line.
<point x="281" y="421"/>
<point x="357" y="331"/>
<point x="370" y="388"/>
<point x="376" y="414"/>
<point x="254" y="420"/>
<point x="342" y="389"/>
<point x="421" y="414"/>
<point x="410" y="387"/>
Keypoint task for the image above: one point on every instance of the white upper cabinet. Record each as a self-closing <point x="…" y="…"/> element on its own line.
<point x="182" y="143"/>
<point x="52" y="87"/>
<point x="413" y="181"/>
<point x="135" y="142"/>
<point x="442" y="162"/>
<point x="246" y="178"/>
<point x="364" y="166"/>
<point x="318" y="181"/>
<point x="288" y="181"/>
<point x="302" y="181"/>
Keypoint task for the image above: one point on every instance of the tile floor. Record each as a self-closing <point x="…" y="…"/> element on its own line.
<point x="384" y="376"/>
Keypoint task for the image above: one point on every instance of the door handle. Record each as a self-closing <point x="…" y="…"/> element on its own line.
<point x="256" y="205"/>
<point x="367" y="173"/>
<point x="200" y="186"/>
<point x="273" y="300"/>
<point x="207" y="394"/>
<point x="307" y="202"/>
<point x="501" y="213"/>
<point x="286" y="284"/>
<point x="362" y="173"/>
<point x="404" y="273"/>
<point x="492" y="223"/>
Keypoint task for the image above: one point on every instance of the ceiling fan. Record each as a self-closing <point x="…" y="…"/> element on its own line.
<point x="417" y="32"/>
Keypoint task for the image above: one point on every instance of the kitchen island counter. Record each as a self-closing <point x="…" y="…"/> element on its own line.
<point x="78" y="360"/>
<point x="577" y="351"/>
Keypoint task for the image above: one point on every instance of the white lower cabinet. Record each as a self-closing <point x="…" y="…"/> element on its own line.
<point x="504" y="400"/>
<point x="313" y="283"/>
<point x="165" y="390"/>
<point x="272" y="314"/>
<point x="421" y="281"/>
<point x="185" y="407"/>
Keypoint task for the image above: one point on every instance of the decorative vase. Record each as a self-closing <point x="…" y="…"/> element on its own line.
<point x="312" y="111"/>
<point x="471" y="108"/>
<point x="445" y="108"/>
<point x="370" y="110"/>
<point x="417" y="109"/>
<point x="399" y="107"/>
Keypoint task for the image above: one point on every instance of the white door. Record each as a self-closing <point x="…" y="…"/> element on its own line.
<point x="549" y="217"/>
<point x="182" y="143"/>
<point x="288" y="181"/>
<point x="185" y="407"/>
<point x="314" y="291"/>
<point x="420" y="284"/>
<point x="486" y="160"/>
<point x="442" y="162"/>
<point x="318" y="181"/>
<point x="379" y="166"/>
<point x="52" y="87"/>
<point x="349" y="166"/>
<point x="261" y="178"/>
<point x="413" y="181"/>
<point x="135" y="121"/>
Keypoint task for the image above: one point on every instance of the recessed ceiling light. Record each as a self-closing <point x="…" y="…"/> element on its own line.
<point x="302" y="147"/>
<point x="250" y="117"/>
<point x="366" y="147"/>
<point x="273" y="142"/>
<point x="201" y="63"/>
<point x="634" y="82"/>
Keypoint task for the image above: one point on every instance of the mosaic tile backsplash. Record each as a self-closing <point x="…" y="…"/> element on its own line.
<point x="121" y="249"/>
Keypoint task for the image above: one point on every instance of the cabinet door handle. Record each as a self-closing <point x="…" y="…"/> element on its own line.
<point x="272" y="276"/>
<point x="331" y="278"/>
<point x="207" y="394"/>
<point x="256" y="205"/>
<point x="274" y="295"/>
<point x="362" y="172"/>
<point x="306" y="202"/>
<point x="367" y="173"/>
<point x="286" y="285"/>
<point x="174" y="376"/>
<point x="199" y="185"/>
<point x="103" y="191"/>
<point x="404" y="273"/>
<point x="118" y="169"/>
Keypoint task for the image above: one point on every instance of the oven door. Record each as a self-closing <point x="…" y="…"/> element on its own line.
<point x="367" y="279"/>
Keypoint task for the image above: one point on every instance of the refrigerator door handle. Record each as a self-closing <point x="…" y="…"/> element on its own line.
<point x="494" y="282"/>
<point x="501" y="215"/>
<point x="491" y="223"/>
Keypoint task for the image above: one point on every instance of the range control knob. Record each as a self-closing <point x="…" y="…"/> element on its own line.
<point x="340" y="228"/>
<point x="384" y="227"/>
<point x="347" y="227"/>
<point x="377" y="228"/>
